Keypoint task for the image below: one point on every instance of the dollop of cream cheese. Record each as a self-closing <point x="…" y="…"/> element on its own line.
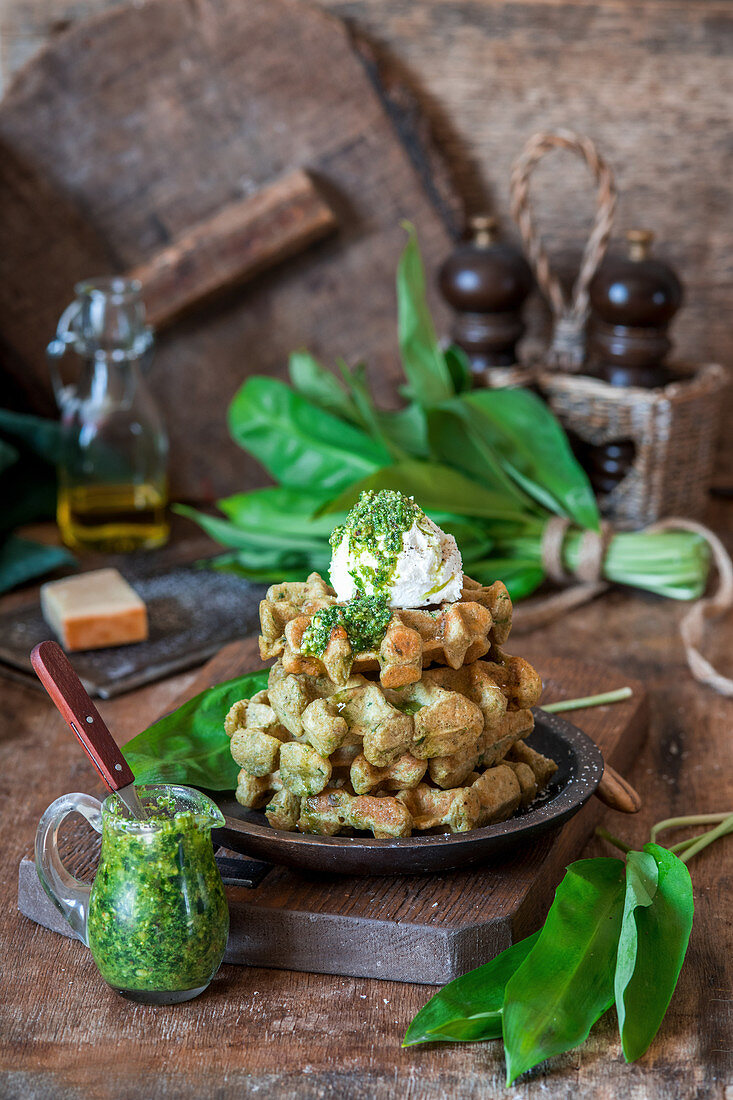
<point x="427" y="570"/>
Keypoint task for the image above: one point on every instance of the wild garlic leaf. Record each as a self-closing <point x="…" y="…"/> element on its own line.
<point x="456" y="438"/>
<point x="535" y="451"/>
<point x="245" y="538"/>
<point x="459" y="367"/>
<point x="368" y="416"/>
<point x="422" y="358"/>
<point x="279" y="509"/>
<point x="566" y="982"/>
<point x="469" y="1008"/>
<point x="190" y="745"/>
<point x="237" y="562"/>
<point x="437" y="488"/>
<point x="407" y="428"/>
<point x="299" y="444"/>
<point x="320" y="386"/>
<point x="521" y="575"/>
<point x="655" y="930"/>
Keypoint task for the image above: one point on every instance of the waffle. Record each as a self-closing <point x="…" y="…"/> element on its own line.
<point x="446" y="752"/>
<point x="422" y="734"/>
<point x="453" y="634"/>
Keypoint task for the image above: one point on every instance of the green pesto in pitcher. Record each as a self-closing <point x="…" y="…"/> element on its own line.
<point x="158" y="917"/>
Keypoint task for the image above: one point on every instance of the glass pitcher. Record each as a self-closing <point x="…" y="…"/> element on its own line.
<point x="155" y="918"/>
<point x="112" y="472"/>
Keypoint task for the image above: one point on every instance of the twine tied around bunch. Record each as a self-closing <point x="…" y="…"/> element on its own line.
<point x="567" y="350"/>
<point x="589" y="573"/>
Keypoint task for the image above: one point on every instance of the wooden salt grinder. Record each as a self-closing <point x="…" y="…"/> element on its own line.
<point x="486" y="282"/>
<point x="633" y="299"/>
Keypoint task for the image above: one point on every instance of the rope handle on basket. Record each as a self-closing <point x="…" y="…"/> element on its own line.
<point x="567" y="349"/>
<point x="590" y="572"/>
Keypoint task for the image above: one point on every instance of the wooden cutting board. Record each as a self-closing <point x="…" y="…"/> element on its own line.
<point x="412" y="928"/>
<point x="163" y="115"/>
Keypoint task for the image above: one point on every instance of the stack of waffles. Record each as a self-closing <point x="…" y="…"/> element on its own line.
<point x="424" y="734"/>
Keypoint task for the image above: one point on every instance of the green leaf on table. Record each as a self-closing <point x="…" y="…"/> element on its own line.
<point x="469" y="1008"/>
<point x="536" y="452"/>
<point x="567" y="981"/>
<point x="320" y="386"/>
<point x="299" y="444"/>
<point x="655" y="930"/>
<point x="422" y="358"/>
<point x="190" y="745"/>
<point x="436" y="487"/>
<point x="22" y="560"/>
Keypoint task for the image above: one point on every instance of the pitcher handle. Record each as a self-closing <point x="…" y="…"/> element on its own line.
<point x="55" y="351"/>
<point x="69" y="894"/>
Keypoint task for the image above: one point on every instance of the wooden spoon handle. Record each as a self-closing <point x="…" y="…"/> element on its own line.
<point x="55" y="672"/>
<point x="617" y="793"/>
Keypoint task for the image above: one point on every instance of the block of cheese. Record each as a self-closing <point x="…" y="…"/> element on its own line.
<point x="94" y="610"/>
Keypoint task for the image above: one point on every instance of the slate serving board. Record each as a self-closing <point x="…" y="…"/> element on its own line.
<point x="426" y="928"/>
<point x="182" y="634"/>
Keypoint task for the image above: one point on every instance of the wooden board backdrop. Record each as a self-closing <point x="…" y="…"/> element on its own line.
<point x="652" y="82"/>
<point x="147" y="120"/>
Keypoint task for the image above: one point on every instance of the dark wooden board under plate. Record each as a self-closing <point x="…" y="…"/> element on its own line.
<point x="415" y="928"/>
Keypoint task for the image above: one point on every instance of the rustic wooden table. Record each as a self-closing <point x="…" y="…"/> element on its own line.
<point x="273" y="1033"/>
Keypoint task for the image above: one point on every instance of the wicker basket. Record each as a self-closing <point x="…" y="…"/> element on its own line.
<point x="674" y="431"/>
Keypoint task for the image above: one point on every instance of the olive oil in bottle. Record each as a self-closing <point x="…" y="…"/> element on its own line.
<point x="115" y="518"/>
<point x="112" y="470"/>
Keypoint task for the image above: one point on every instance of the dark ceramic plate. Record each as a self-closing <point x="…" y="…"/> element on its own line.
<point x="580" y="767"/>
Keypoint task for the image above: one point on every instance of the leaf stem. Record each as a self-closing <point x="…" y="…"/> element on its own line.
<point x="724" y="828"/>
<point x="604" y="833"/>
<point x="680" y="822"/>
<point x="677" y="848"/>
<point x="588" y="701"/>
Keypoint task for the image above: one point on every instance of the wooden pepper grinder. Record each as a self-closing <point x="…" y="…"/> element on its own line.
<point x="633" y="298"/>
<point x="486" y="282"/>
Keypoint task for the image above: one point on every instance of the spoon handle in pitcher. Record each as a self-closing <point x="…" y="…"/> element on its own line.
<point x="71" y="699"/>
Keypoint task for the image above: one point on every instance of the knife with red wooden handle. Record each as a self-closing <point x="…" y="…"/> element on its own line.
<point x="71" y="699"/>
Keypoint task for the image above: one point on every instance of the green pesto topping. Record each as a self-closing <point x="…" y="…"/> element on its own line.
<point x="158" y="916"/>
<point x="375" y="525"/>
<point x="365" y="620"/>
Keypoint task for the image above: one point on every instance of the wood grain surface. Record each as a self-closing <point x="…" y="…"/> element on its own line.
<point x="281" y="1034"/>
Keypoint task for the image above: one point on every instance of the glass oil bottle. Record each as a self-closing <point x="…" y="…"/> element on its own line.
<point x="112" y="483"/>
